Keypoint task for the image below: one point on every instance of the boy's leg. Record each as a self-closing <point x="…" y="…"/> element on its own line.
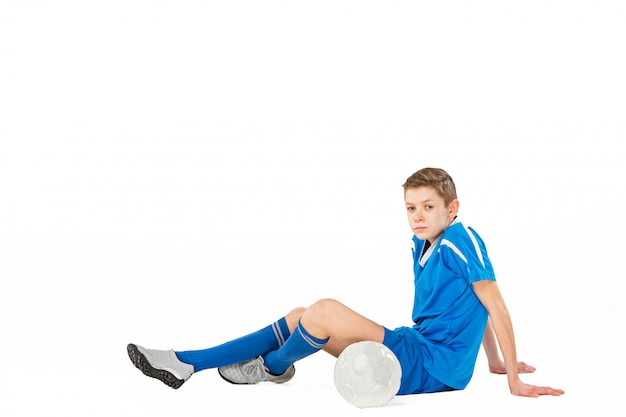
<point x="174" y="368"/>
<point x="277" y="365"/>
<point x="250" y="346"/>
<point x="344" y="326"/>
<point x="299" y="345"/>
<point x="327" y="324"/>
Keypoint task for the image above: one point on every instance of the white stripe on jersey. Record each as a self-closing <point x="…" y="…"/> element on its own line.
<point x="476" y="247"/>
<point x="454" y="248"/>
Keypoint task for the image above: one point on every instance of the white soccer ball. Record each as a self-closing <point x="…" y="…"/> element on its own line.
<point x="367" y="374"/>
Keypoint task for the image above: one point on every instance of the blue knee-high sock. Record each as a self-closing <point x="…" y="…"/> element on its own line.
<point x="299" y="345"/>
<point x="246" y="347"/>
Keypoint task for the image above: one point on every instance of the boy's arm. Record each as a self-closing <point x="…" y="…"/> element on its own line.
<point x="489" y="295"/>
<point x="496" y="365"/>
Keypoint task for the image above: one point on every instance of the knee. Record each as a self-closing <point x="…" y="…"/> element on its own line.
<point x="293" y="317"/>
<point x="318" y="312"/>
<point x="322" y="309"/>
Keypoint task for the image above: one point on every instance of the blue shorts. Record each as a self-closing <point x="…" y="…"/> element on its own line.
<point x="415" y="379"/>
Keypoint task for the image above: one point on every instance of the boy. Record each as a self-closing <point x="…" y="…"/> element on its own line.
<point x="457" y="305"/>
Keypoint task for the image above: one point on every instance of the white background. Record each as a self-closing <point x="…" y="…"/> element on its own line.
<point x="179" y="173"/>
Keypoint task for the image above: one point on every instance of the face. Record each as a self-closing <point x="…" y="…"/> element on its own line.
<point x="427" y="212"/>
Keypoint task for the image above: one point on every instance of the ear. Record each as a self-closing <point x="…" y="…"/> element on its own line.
<point x="453" y="208"/>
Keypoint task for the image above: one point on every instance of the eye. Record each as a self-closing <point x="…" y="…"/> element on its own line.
<point x="429" y="207"/>
<point x="410" y="208"/>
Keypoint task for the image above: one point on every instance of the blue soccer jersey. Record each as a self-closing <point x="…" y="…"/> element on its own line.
<point x="448" y="316"/>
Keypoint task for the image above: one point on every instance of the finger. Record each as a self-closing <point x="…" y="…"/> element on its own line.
<point x="554" y="391"/>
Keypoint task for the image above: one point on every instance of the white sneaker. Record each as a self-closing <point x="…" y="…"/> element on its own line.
<point x="163" y="365"/>
<point x="253" y="371"/>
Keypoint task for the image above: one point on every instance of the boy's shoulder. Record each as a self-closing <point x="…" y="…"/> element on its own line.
<point x="456" y="229"/>
<point x="462" y="234"/>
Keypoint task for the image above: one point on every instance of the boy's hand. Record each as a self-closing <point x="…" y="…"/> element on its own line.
<point x="522" y="368"/>
<point x="526" y="390"/>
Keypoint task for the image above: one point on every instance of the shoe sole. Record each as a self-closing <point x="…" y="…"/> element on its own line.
<point x="139" y="360"/>
<point x="276" y="381"/>
<point x="287" y="376"/>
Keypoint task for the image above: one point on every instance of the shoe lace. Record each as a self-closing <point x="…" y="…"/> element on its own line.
<point x="254" y="370"/>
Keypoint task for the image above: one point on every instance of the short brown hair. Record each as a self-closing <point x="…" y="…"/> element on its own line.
<point x="436" y="178"/>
